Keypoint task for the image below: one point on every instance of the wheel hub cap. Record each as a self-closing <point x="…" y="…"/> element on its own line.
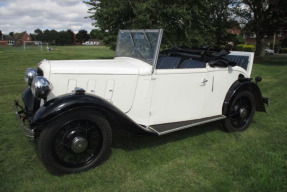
<point x="243" y="112"/>
<point x="79" y="144"/>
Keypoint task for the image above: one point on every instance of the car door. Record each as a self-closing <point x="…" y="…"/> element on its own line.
<point x="177" y="95"/>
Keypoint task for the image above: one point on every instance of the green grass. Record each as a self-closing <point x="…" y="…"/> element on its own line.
<point x="203" y="158"/>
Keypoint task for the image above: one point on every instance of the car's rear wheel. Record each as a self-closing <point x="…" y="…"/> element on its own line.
<point x="74" y="142"/>
<point x="240" y="113"/>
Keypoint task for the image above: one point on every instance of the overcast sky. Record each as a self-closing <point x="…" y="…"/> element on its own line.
<point x="28" y="15"/>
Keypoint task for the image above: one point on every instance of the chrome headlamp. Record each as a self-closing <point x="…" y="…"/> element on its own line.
<point x="30" y="74"/>
<point x="41" y="87"/>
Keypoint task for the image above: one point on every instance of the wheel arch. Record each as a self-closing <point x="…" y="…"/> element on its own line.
<point x="243" y="85"/>
<point x="70" y="102"/>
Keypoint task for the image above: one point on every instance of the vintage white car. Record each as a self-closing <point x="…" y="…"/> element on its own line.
<point x="72" y="106"/>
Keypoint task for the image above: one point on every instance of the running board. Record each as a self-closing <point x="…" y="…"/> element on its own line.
<point x="162" y="129"/>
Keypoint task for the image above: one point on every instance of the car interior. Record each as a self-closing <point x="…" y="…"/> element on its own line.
<point x="187" y="58"/>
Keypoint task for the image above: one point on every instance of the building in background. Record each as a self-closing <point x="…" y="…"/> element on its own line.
<point x="17" y="39"/>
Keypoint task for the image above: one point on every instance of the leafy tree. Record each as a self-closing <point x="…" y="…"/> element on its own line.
<point x="185" y="22"/>
<point x="65" y="37"/>
<point x="96" y="34"/>
<point x="38" y="31"/>
<point x="53" y="36"/>
<point x="38" y="35"/>
<point x="33" y="36"/>
<point x="82" y="36"/>
<point x="62" y="38"/>
<point x="46" y="35"/>
<point x="1" y="34"/>
<point x="221" y="17"/>
<point x="49" y="36"/>
<point x="239" y="40"/>
<point x="71" y="37"/>
<point x="11" y="34"/>
<point x="263" y="17"/>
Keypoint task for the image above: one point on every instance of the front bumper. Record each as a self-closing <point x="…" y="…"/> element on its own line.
<point x="21" y="116"/>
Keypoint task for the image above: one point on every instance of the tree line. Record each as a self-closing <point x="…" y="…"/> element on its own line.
<point x="193" y="23"/>
<point x="65" y="37"/>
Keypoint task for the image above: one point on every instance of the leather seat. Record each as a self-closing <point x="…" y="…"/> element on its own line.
<point x="242" y="61"/>
<point x="192" y="64"/>
<point x="168" y="62"/>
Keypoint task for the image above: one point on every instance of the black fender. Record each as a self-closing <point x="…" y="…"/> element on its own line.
<point x="244" y="85"/>
<point x="65" y="103"/>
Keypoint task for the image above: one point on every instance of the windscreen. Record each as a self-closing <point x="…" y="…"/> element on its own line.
<point x="141" y="45"/>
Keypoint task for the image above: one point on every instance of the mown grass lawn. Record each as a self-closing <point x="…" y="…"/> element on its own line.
<point x="203" y="158"/>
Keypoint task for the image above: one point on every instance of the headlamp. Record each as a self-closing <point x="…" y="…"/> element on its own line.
<point x="41" y="87"/>
<point x="30" y="74"/>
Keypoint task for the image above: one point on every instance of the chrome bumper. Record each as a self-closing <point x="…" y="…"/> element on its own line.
<point x="22" y="118"/>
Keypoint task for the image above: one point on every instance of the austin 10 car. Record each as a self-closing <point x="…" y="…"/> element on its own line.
<point x="71" y="106"/>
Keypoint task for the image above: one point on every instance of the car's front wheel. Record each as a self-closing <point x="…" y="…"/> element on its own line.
<point x="74" y="142"/>
<point x="240" y="113"/>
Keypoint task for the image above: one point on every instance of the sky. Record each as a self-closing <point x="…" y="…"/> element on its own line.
<point x="28" y="15"/>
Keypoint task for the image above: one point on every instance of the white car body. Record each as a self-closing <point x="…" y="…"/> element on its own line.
<point x="72" y="106"/>
<point x="148" y="97"/>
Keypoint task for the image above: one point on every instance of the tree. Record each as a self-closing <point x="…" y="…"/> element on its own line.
<point x="11" y="34"/>
<point x="38" y="35"/>
<point x="65" y="37"/>
<point x="96" y="34"/>
<point x="1" y="35"/>
<point x="221" y="13"/>
<point x="185" y="22"/>
<point x="82" y="36"/>
<point x="239" y="40"/>
<point x="49" y="36"/>
<point x="53" y="36"/>
<point x="62" y="38"/>
<point x="71" y="37"/>
<point x="46" y="35"/>
<point x="263" y="17"/>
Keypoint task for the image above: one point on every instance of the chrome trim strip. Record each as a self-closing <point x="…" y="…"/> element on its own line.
<point x="187" y="126"/>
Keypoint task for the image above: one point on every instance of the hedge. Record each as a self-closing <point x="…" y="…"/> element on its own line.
<point x="242" y="47"/>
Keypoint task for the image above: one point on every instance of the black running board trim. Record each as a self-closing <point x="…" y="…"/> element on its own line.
<point x="162" y="129"/>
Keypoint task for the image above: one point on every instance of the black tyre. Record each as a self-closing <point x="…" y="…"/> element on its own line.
<point x="74" y="142"/>
<point x="240" y="112"/>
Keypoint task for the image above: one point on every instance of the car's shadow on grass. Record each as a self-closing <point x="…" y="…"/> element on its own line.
<point x="123" y="140"/>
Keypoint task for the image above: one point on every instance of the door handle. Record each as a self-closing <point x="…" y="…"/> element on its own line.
<point x="204" y="80"/>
